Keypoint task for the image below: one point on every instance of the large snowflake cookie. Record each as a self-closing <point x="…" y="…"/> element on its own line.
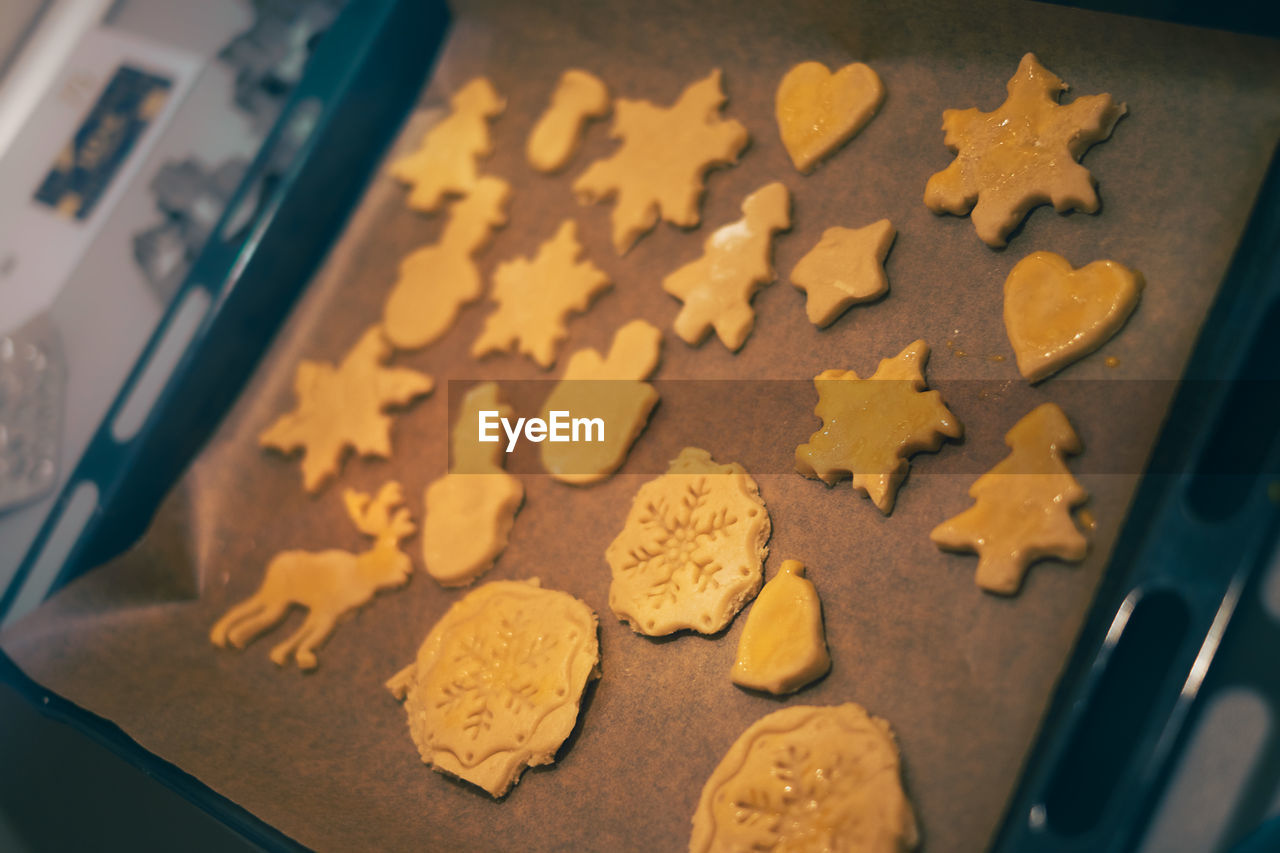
<point x="690" y="555"/>
<point x="808" y="778"/>
<point x="498" y="681"/>
<point x="659" y="169"/>
<point x="871" y="426"/>
<point x="1022" y="155"/>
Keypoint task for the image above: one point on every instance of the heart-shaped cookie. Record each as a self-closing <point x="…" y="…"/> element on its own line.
<point x="819" y="111"/>
<point x="1055" y="314"/>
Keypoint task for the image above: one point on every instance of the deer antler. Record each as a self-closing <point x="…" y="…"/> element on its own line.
<point x="373" y="518"/>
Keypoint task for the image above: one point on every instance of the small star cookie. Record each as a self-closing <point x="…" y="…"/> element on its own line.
<point x="845" y="268"/>
<point x="691" y="552"/>
<point x="665" y="154"/>
<point x="870" y="426"/>
<point x="1022" y="155"/>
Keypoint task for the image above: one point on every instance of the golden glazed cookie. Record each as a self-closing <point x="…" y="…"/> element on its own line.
<point x="1023" y="505"/>
<point x="808" y="778"/>
<point x="1022" y="155"/>
<point x="691" y="552"/>
<point x="783" y="646"/>
<point x="819" y="111"/>
<point x="498" y="681"/>
<point x="1055" y="315"/>
<point x="871" y="426"/>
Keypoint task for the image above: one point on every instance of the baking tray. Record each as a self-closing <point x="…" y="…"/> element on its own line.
<point x="965" y="678"/>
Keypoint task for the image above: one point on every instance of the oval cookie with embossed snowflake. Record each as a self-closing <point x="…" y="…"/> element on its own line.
<point x="498" y="681"/>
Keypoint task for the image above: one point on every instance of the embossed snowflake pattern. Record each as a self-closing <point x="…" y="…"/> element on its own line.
<point x="672" y="553"/>
<point x="797" y="805"/>
<point x="497" y="670"/>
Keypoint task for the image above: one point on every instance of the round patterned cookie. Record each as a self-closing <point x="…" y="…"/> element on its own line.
<point x="808" y="778"/>
<point x="691" y="552"/>
<point x="497" y="682"/>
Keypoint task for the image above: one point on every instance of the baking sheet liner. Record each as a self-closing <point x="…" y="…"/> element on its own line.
<point x="964" y="677"/>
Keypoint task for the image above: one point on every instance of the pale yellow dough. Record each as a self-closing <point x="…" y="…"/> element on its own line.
<point x="340" y="408"/>
<point x="437" y="280"/>
<point x="497" y="683"/>
<point x="819" y="111"/>
<point x="1055" y="315"/>
<point x="611" y="389"/>
<point x="808" y="778"/>
<point x="846" y="267"/>
<point x="666" y="152"/>
<point x="445" y="163"/>
<point x="535" y="298"/>
<point x="691" y="552"/>
<point x="1022" y="155"/>
<point x="737" y="260"/>
<point x="1024" y="503"/>
<point x="783" y="646"/>
<point x="579" y="97"/>
<point x="329" y="584"/>
<point x="470" y="510"/>
<point x="870" y="426"/>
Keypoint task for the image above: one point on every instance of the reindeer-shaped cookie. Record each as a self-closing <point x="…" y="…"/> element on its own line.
<point x="329" y="584"/>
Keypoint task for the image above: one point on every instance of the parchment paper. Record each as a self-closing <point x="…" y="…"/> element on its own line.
<point x="964" y="677"/>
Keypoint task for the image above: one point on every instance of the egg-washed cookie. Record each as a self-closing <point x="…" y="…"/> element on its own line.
<point x="691" y="552"/>
<point x="1022" y="155"/>
<point x="498" y="681"/>
<point x="808" y="778"/>
<point x="818" y="111"/>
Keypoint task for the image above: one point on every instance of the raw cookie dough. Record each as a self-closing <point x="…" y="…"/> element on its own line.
<point x="870" y="426"/>
<point x="691" y="552"/>
<point x="819" y="111"/>
<point x="783" y="647"/>
<point x="1024" y="503"/>
<point x="579" y="97"/>
<point x="846" y="267"/>
<point x="445" y="164"/>
<point x="470" y="510"/>
<point x="808" y="778"/>
<point x="611" y="389"/>
<point x="342" y="407"/>
<point x="1022" y="155"/>
<point x="535" y="298"/>
<point x="737" y="259"/>
<point x="666" y="152"/>
<point x="1055" y="315"/>
<point x="329" y="584"/>
<point x="497" y="683"/>
<point x="436" y="280"/>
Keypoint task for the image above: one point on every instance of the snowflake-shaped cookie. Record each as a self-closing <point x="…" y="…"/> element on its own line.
<point x="1022" y="155"/>
<point x="497" y="682"/>
<point x="808" y="778"/>
<point x="690" y="554"/>
<point x="665" y="154"/>
<point x="342" y="407"/>
<point x="870" y="426"/>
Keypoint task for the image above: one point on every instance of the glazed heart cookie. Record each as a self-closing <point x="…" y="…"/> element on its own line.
<point x="1055" y="315"/>
<point x="819" y="111"/>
